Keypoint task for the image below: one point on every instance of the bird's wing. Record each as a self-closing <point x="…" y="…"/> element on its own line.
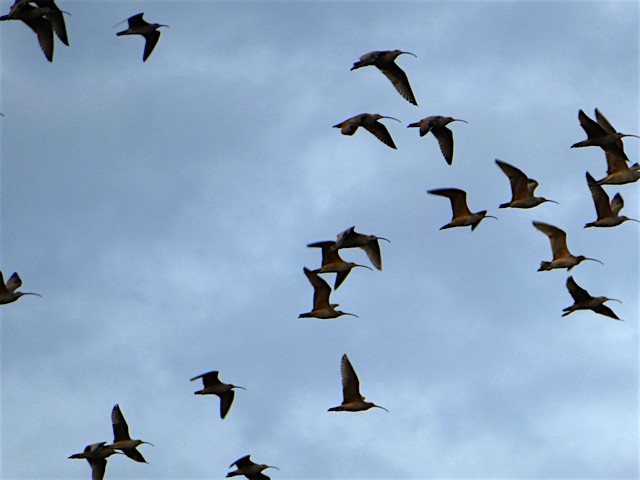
<point x="242" y="462"/>
<point x="226" y="399"/>
<point x="600" y="198"/>
<point x="557" y="238"/>
<point x="98" y="467"/>
<point x="578" y="293"/>
<point x="381" y="133"/>
<point x="56" y="18"/>
<point x="44" y="31"/>
<point x="591" y="128"/>
<point x="617" y="204"/>
<point x="328" y="255"/>
<point x="372" y="250"/>
<point x="400" y="81"/>
<point x="518" y="181"/>
<point x="14" y="282"/>
<point x="606" y="311"/>
<point x="208" y="379"/>
<point x="134" y="454"/>
<point x="321" y="289"/>
<point x="136" y="20"/>
<point x="607" y="127"/>
<point x="151" y="41"/>
<point x="457" y="197"/>
<point x="445" y="140"/>
<point x="120" y="427"/>
<point x="350" y="382"/>
<point x="615" y="162"/>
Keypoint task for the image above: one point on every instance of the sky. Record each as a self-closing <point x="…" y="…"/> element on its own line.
<point x="162" y="210"/>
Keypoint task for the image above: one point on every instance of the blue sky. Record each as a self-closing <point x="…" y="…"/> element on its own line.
<point x="162" y="209"/>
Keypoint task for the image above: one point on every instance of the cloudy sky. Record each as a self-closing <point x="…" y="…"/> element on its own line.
<point x="162" y="209"/>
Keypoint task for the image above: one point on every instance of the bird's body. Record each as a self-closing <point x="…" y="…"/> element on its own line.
<point x="138" y="26"/>
<point x="582" y="300"/>
<point x="384" y="60"/>
<point x="322" y="308"/>
<point x="438" y="126"/>
<point x="8" y="293"/>
<point x="213" y="386"/>
<point x="607" y="211"/>
<point x="462" y="216"/>
<point x="121" y="439"/>
<point x="562" y="257"/>
<point x="333" y="263"/>
<point x="370" y="122"/>
<point x="349" y="238"/>
<point x="618" y="172"/>
<point x="352" y="400"/>
<point x="522" y="188"/>
<point x="96" y="454"/>
<point x="601" y="134"/>
<point x="253" y="471"/>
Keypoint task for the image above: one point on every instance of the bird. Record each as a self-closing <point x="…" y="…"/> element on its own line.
<point x="562" y="258"/>
<point x="522" y="188"/>
<point x="213" y="386"/>
<point x="607" y="211"/>
<point x="121" y="439"/>
<point x="385" y="61"/>
<point x="437" y="125"/>
<point x="601" y="134"/>
<point x="462" y="216"/>
<point x="352" y="400"/>
<point x="253" y="471"/>
<point x="618" y="172"/>
<point x="371" y="123"/>
<point x="333" y="263"/>
<point x="96" y="454"/>
<point x="8" y="293"/>
<point x="55" y="15"/>
<point x="322" y="309"/>
<point x="583" y="301"/>
<point x="36" y="18"/>
<point x="349" y="238"/>
<point x="138" y="26"/>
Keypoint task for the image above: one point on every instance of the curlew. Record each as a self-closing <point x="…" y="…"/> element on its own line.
<point x="601" y="134"/>
<point x="121" y="439"/>
<point x="618" y="172"/>
<point x="370" y="122"/>
<point x="138" y="26"/>
<point x="213" y="386"/>
<point x="36" y="18"/>
<point x="384" y="60"/>
<point x="352" y="400"/>
<point x="253" y="471"/>
<point x="96" y="454"/>
<point x="437" y="125"/>
<point x="522" y="188"/>
<point x="8" y="293"/>
<point x="349" y="238"/>
<point x="322" y="309"/>
<point x="462" y="216"/>
<point x="57" y="19"/>
<point x="562" y="258"/>
<point x="333" y="263"/>
<point x="607" y="211"/>
<point x="583" y="301"/>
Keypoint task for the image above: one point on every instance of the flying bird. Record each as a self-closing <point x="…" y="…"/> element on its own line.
<point x="253" y="471"/>
<point x="606" y="210"/>
<point x="121" y="439"/>
<point x="562" y="257"/>
<point x="437" y="125"/>
<point x="322" y="309"/>
<point x="37" y="19"/>
<point x="349" y="238"/>
<point x="601" y="134"/>
<point x="56" y="18"/>
<point x="522" y="188"/>
<point x="618" y="172"/>
<point x="96" y="454"/>
<point x="213" y="386"/>
<point x="8" y="291"/>
<point x="370" y="122"/>
<point x="583" y="301"/>
<point x="352" y="400"/>
<point x="462" y="216"/>
<point x="384" y="60"/>
<point x="333" y="263"/>
<point x="138" y="26"/>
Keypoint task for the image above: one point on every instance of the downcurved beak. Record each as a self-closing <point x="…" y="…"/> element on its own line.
<point x="552" y="201"/>
<point x="363" y="266"/>
<point x="594" y="259"/>
<point x="271" y="466"/>
<point x="237" y="386"/>
<point x="409" y="53"/>
<point x="629" y="135"/>
<point x="614" y="300"/>
<point x="149" y="443"/>
<point x="350" y="314"/>
<point x="378" y="406"/>
<point x="382" y="238"/>
<point x="413" y="125"/>
<point x="633" y="220"/>
<point x="490" y="216"/>
<point x="459" y="120"/>
<point x="31" y="293"/>
<point x="392" y="118"/>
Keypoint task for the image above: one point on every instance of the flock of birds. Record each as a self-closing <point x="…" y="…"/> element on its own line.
<point x="45" y="18"/>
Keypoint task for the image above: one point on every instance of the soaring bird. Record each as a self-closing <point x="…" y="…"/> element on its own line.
<point x="601" y="134"/>
<point x="213" y="386"/>
<point x="522" y="188"/>
<point x="121" y="439"/>
<point x="370" y="122"/>
<point x="8" y="291"/>
<point x="385" y="61"/>
<point x="333" y="263"/>
<point x="253" y="471"/>
<point x="349" y="238"/>
<point x="37" y="19"/>
<point x="352" y="400"/>
<point x="562" y="257"/>
<point x="322" y="308"/>
<point x="138" y="26"/>
<point x="583" y="301"/>
<point x="96" y="454"/>
<point x="462" y="216"/>
<point x="438" y="126"/>
<point x="607" y="211"/>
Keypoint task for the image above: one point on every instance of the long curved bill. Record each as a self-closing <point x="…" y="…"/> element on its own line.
<point x="595" y="260"/>
<point x="392" y="118"/>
